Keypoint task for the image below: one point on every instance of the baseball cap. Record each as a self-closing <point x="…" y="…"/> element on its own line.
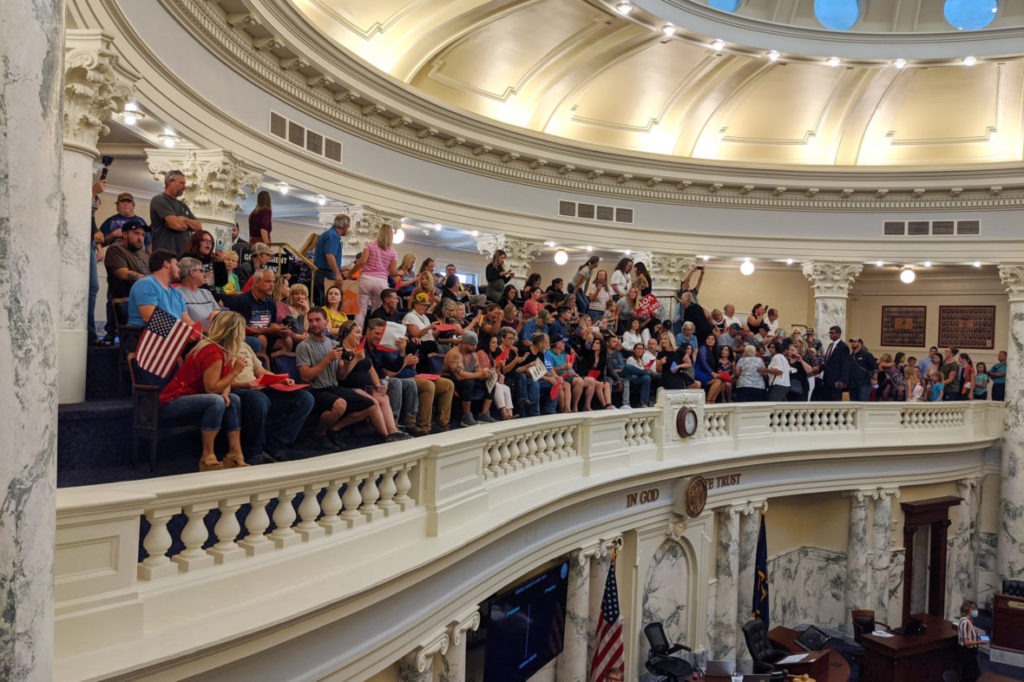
<point x="125" y="196"/>
<point x="261" y="248"/>
<point x="135" y="224"/>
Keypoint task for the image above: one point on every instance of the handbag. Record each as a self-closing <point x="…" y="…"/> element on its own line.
<point x="350" y="296"/>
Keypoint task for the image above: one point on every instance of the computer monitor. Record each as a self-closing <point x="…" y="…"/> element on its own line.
<point x="812" y="639"/>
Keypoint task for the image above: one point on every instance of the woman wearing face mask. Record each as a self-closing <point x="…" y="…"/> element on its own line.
<point x="967" y="640"/>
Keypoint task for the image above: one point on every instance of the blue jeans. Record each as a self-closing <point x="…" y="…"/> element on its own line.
<point x="270" y="414"/>
<point x="861" y="393"/>
<point x="527" y="389"/>
<point x="548" y="405"/>
<point x="209" y="408"/>
<point x="635" y="375"/>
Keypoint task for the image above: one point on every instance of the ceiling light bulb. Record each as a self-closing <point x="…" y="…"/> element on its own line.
<point x="475" y="233"/>
<point x="833" y="62"/>
<point x="322" y="200"/>
<point x="900" y="63"/>
<point x="623" y="8"/>
<point x="977" y="263"/>
<point x="789" y="261"/>
<point x="747" y="268"/>
<point x="283" y="188"/>
<point x="718" y="45"/>
<point x="878" y="263"/>
<point x="589" y="249"/>
<point x="169" y="141"/>
<point x="561" y="257"/>
<point x="927" y="263"/>
<point x="550" y="244"/>
<point x="773" y="56"/>
<point x="907" y="276"/>
<point x="705" y="258"/>
<point x="669" y="30"/>
<point x="399" y="236"/>
<point x="130" y="118"/>
<point x="628" y="252"/>
<point x="970" y="61"/>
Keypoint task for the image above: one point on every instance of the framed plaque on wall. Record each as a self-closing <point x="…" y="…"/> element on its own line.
<point x="904" y="325"/>
<point x="967" y="326"/>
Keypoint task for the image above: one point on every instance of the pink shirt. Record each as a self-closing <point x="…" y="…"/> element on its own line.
<point x="379" y="261"/>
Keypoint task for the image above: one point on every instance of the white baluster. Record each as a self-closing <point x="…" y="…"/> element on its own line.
<point x="309" y="510"/>
<point x="351" y="500"/>
<point x="370" y="496"/>
<point x="387" y="493"/>
<point x="156" y="543"/>
<point x="558" y="442"/>
<point x="284" y="516"/>
<point x="404" y="485"/>
<point x="330" y="506"/>
<point x="193" y="536"/>
<point x="513" y="455"/>
<point x="226" y="530"/>
<point x="256" y="523"/>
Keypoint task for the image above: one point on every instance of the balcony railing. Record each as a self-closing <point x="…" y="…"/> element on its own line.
<point x="138" y="560"/>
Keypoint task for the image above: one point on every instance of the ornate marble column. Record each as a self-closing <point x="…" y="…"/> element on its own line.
<point x="750" y="524"/>
<point x="365" y="225"/>
<point x="519" y="254"/>
<point x="215" y="183"/>
<point x="881" y="529"/>
<point x="31" y="207"/>
<point x="572" y="664"/>
<point x="1011" y="528"/>
<point x="962" y="560"/>
<point x="95" y="86"/>
<point x="418" y="665"/>
<point x="667" y="271"/>
<point x="857" y="596"/>
<point x="722" y="639"/>
<point x="831" y="283"/>
<point x="453" y="661"/>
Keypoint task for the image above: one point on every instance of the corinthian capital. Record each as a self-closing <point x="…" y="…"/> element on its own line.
<point x="215" y="180"/>
<point x="831" y="279"/>
<point x="365" y="225"/>
<point x="96" y="85"/>
<point x="1012" y="277"/>
<point x="667" y="268"/>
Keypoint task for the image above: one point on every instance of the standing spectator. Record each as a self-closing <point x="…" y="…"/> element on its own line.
<point x="328" y="256"/>
<point x="497" y="276"/>
<point x="863" y="371"/>
<point x="598" y="296"/>
<point x="112" y="226"/>
<point x="642" y="279"/>
<point x="812" y="341"/>
<point x="950" y="374"/>
<point x="778" y="373"/>
<point x="126" y="263"/>
<point x="260" y="220"/>
<point x="749" y="377"/>
<point x="730" y="315"/>
<point x="835" y="366"/>
<point x="967" y="641"/>
<point x="378" y="261"/>
<point x="915" y="387"/>
<point x="967" y="373"/>
<point x="231" y="264"/>
<point x="981" y="382"/>
<point x="998" y="375"/>
<point x="620" y="278"/>
<point x="171" y="218"/>
<point x="580" y="282"/>
<point x="927" y="360"/>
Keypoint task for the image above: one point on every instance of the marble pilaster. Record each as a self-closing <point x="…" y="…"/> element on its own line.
<point x="881" y="543"/>
<point x="418" y="665"/>
<point x="831" y="283"/>
<point x="31" y="207"/>
<point x="750" y="524"/>
<point x="961" y="560"/>
<point x="1011" y="529"/>
<point x="722" y="632"/>
<point x="519" y="254"/>
<point x="216" y="180"/>
<point x="453" y="661"/>
<point x="95" y="86"/>
<point x="666" y="272"/>
<point x="857" y="596"/>
<point x="572" y="664"/>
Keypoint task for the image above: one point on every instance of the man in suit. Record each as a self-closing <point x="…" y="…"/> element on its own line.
<point x="837" y="365"/>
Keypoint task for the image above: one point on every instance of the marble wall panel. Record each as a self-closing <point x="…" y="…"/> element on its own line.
<point x="665" y="594"/>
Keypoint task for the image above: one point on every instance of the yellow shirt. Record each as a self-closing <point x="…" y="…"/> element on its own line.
<point x="335" y="318"/>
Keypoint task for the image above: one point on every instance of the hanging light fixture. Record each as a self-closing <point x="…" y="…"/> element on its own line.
<point x="746" y="268"/>
<point x="907" y="275"/>
<point x="561" y="257"/>
<point x="399" y="235"/>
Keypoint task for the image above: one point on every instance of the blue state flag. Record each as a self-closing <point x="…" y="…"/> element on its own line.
<point x="760" y="606"/>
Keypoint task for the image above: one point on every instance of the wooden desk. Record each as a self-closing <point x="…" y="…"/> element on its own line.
<point x="826" y="665"/>
<point x="1008" y="622"/>
<point x="911" y="658"/>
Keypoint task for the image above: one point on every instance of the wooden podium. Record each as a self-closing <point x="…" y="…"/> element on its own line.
<point x="1008" y="622"/>
<point x="911" y="658"/>
<point x="826" y="665"/>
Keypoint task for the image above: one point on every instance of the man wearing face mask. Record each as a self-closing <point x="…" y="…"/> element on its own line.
<point x="967" y="640"/>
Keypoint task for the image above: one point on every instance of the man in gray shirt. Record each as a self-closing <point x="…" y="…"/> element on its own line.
<point x="171" y="219"/>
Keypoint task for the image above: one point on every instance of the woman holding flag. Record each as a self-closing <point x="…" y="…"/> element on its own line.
<point x="202" y="388"/>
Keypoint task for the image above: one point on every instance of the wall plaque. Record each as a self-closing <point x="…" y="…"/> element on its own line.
<point x="904" y="325"/>
<point x="967" y="326"/>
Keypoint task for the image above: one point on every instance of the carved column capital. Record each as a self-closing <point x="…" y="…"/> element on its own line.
<point x="215" y="180"/>
<point x="860" y="496"/>
<point x="459" y="626"/>
<point x="669" y="267"/>
<point x="421" y="658"/>
<point x="831" y="279"/>
<point x="1012" y="276"/>
<point x="325" y="214"/>
<point x="96" y="85"/>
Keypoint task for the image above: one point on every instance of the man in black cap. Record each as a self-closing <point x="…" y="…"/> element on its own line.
<point x="463" y="366"/>
<point x="126" y="262"/>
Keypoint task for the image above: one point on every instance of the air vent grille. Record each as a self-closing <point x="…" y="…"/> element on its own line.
<point x="933" y="228"/>
<point x="610" y="214"/>
<point x="300" y="136"/>
<point x="942" y="227"/>
<point x="917" y="228"/>
<point x="893" y="229"/>
<point x="968" y="227"/>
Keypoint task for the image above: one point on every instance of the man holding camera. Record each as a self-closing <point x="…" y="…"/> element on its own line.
<point x="171" y="218"/>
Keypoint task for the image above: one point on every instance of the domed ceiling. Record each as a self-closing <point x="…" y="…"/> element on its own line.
<point x="766" y="85"/>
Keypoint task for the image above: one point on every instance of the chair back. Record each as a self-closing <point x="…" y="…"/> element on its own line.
<point x="863" y="622"/>
<point x="655" y="634"/>
<point x="284" y="363"/>
<point x="758" y="644"/>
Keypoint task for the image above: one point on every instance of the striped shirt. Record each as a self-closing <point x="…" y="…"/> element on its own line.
<point x="378" y="260"/>
<point x="965" y="632"/>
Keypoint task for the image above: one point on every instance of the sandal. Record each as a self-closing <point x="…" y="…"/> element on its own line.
<point x="210" y="463"/>
<point x="232" y="461"/>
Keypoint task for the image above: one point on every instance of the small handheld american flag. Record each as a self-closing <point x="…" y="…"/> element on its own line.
<point x="161" y="343"/>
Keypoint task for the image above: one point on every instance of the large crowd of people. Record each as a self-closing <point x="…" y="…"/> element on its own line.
<point x="370" y="337"/>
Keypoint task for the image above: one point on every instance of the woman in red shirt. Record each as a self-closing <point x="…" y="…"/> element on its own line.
<point x="202" y="389"/>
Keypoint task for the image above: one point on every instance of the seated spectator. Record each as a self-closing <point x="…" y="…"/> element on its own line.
<point x="534" y="378"/>
<point x="501" y="395"/>
<point x="687" y="336"/>
<point x="593" y="365"/>
<point x="772" y="319"/>
<point x="634" y="334"/>
<point x="560" y="323"/>
<point x="453" y="290"/>
<point x="424" y="285"/>
<point x="201" y="304"/>
<point x="420" y="330"/>
<point x="533" y="304"/>
<point x="406" y="276"/>
<point x="463" y="366"/>
<point x="335" y="318"/>
<point x="702" y="367"/>
<point x="570" y="388"/>
<point x="155" y="291"/>
<point x="748" y="377"/>
<point x="231" y="264"/>
<point x="260" y="257"/>
<point x="555" y="294"/>
<point x="730" y="315"/>
<point x="538" y="324"/>
<point x="388" y="310"/>
<point x="510" y="296"/>
<point x="511" y="316"/>
<point x="675" y="365"/>
<point x="264" y="333"/>
<point x="355" y="371"/>
<point x="298" y="306"/>
<point x="201" y="389"/>
<point x="723" y="367"/>
<point x="489" y="326"/>
<point x="126" y="263"/>
<point x="778" y="374"/>
<point x="200" y="246"/>
<point x="319" y="359"/>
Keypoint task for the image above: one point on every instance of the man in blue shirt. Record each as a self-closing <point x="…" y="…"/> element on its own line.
<point x="533" y="326"/>
<point x="327" y="258"/>
<point x="998" y="374"/>
<point x="150" y="293"/>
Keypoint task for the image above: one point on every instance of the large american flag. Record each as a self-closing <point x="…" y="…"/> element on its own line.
<point x="608" y="647"/>
<point x="161" y="343"/>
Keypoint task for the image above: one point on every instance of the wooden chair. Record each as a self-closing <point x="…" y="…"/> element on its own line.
<point x="863" y="623"/>
<point x="146" y="413"/>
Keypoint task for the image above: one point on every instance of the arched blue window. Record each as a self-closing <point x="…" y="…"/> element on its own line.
<point x="725" y="5"/>
<point x="837" y="15"/>
<point x="971" y="15"/>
